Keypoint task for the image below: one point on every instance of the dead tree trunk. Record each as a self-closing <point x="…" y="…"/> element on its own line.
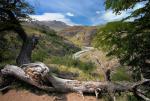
<point x="28" y="45"/>
<point x="36" y="73"/>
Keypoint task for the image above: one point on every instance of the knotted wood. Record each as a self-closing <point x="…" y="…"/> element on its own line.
<point x="37" y="73"/>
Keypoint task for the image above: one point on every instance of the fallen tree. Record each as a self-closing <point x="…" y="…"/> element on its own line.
<point x="39" y="75"/>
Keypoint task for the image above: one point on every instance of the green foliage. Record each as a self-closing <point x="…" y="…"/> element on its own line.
<point x="57" y="44"/>
<point x="120" y="75"/>
<point x="8" y="48"/>
<point x="132" y="46"/>
<point x="132" y="98"/>
<point x="126" y="41"/>
<point x="39" y="55"/>
<point x="79" y="70"/>
<point x="49" y="45"/>
<point x="13" y="12"/>
<point x="115" y="37"/>
<point x="20" y="8"/>
<point x="70" y="62"/>
<point x="120" y="5"/>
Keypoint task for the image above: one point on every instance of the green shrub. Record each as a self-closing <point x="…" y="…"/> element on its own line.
<point x="70" y="62"/>
<point x="121" y="75"/>
<point x="132" y="98"/>
<point x="39" y="55"/>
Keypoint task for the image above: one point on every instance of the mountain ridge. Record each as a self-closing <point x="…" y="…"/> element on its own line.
<point x="55" y="25"/>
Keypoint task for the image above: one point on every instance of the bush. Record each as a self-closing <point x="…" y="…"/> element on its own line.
<point x="121" y="75"/>
<point x="70" y="62"/>
<point x="132" y="98"/>
<point x="39" y="55"/>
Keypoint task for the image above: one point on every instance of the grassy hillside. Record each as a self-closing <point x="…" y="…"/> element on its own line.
<point x="49" y="45"/>
<point x="79" y="35"/>
<point x="56" y="51"/>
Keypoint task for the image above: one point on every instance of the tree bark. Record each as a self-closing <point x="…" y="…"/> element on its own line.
<point x="24" y="56"/>
<point x="38" y="73"/>
<point x="29" y="43"/>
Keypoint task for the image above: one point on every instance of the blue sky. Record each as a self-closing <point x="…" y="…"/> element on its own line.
<point x="75" y="12"/>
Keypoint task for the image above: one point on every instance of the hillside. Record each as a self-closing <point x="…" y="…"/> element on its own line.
<point x="79" y="35"/>
<point x="55" y="25"/>
<point x="56" y="50"/>
<point x="49" y="45"/>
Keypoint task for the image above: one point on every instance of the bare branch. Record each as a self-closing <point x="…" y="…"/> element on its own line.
<point x="4" y="88"/>
<point x="143" y="96"/>
<point x="35" y="73"/>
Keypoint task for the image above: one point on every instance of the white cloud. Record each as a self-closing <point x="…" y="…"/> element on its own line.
<point x="53" y="16"/>
<point x="110" y="16"/>
<point x="69" y="14"/>
<point x="139" y="5"/>
<point x="98" y="12"/>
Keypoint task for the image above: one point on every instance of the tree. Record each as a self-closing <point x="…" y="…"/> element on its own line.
<point x="129" y="41"/>
<point x="12" y="13"/>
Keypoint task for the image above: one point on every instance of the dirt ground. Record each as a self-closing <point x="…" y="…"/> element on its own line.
<point x="24" y="95"/>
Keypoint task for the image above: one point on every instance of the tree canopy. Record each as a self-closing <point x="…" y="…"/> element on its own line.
<point x="129" y="41"/>
<point x="19" y="8"/>
<point x="12" y="12"/>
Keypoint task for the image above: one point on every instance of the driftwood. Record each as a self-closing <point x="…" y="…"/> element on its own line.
<point x="37" y="73"/>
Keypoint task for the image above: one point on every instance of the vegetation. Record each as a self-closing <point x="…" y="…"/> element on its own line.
<point x="121" y="75"/>
<point x="129" y="41"/>
<point x="12" y="13"/>
<point x="70" y="62"/>
<point x="49" y="45"/>
<point x="78" y="69"/>
<point x="79" y="35"/>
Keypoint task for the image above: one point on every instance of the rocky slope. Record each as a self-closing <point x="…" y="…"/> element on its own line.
<point x="56" y="25"/>
<point x="79" y="35"/>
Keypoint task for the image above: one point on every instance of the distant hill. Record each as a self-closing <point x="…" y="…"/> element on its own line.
<point x="56" y="25"/>
<point x="79" y="35"/>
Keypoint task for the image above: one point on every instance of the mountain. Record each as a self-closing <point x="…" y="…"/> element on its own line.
<point x="79" y="35"/>
<point x="56" y="25"/>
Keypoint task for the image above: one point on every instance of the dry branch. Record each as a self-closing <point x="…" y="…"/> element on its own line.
<point x="38" y="73"/>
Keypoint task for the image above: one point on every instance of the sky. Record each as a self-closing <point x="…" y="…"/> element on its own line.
<point x="76" y="12"/>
